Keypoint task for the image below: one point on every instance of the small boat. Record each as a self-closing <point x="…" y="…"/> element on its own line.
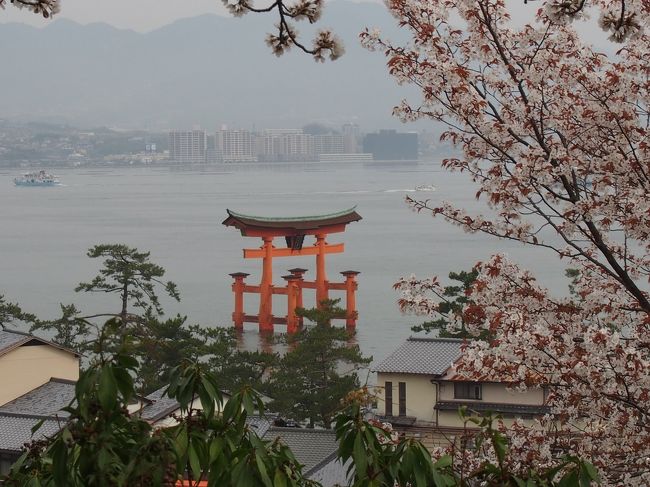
<point x="425" y="187"/>
<point x="38" y="178"/>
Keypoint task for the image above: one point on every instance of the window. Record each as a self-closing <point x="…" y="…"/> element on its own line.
<point x="467" y="390"/>
<point x="388" y="390"/>
<point x="402" y="398"/>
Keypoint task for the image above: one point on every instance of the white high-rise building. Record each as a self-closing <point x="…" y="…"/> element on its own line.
<point x="284" y="145"/>
<point x="187" y="146"/>
<point x="351" y="138"/>
<point x="235" y="145"/>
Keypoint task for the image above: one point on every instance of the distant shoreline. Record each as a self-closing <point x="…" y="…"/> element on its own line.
<point x="104" y="164"/>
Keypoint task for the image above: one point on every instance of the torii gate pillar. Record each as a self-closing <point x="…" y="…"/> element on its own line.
<point x="321" y="274"/>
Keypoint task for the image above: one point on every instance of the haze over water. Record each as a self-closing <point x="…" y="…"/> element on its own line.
<point x="176" y="213"/>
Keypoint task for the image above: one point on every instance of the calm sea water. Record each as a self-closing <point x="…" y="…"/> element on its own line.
<point x="176" y="213"/>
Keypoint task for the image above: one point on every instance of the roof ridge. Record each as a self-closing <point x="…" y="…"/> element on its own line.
<point x="61" y="381"/>
<point x="325" y="461"/>
<point x="29" y="337"/>
<point x="54" y="417"/>
<point x="309" y="430"/>
<point x="435" y="339"/>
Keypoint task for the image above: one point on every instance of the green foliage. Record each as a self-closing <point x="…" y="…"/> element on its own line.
<point x="103" y="445"/>
<point x="168" y="342"/>
<point x="10" y="313"/>
<point x="453" y="300"/>
<point x="129" y="273"/>
<point x="377" y="459"/>
<point x="157" y="342"/>
<point x="328" y="310"/>
<point x="71" y="329"/>
<point x="573" y="275"/>
<point x="317" y="372"/>
<point x="125" y="272"/>
<point x="215" y="442"/>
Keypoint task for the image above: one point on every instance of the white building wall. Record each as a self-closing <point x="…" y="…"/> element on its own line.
<point x="420" y="395"/>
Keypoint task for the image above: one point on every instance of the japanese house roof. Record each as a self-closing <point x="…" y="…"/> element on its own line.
<point x="16" y="429"/>
<point x="310" y="446"/>
<point x="46" y="400"/>
<point x="426" y="356"/>
<point x="292" y="224"/>
<point x="12" y="339"/>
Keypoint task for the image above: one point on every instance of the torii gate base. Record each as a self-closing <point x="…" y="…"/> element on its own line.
<point x="294" y="231"/>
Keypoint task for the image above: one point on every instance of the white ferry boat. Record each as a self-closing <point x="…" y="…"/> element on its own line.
<point x="38" y="178"/>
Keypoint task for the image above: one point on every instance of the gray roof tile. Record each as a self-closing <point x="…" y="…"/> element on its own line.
<point x="427" y="356"/>
<point x="17" y="430"/>
<point x="45" y="400"/>
<point x="259" y="424"/>
<point x="310" y="446"/>
<point x="330" y="472"/>
<point x="161" y="405"/>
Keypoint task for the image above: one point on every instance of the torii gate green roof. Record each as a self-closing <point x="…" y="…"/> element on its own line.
<point x="293" y="224"/>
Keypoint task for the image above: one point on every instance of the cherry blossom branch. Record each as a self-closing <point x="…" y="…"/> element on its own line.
<point x="46" y="8"/>
<point x="325" y="43"/>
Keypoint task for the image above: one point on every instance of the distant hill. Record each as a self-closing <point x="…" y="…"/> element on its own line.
<point x="206" y="70"/>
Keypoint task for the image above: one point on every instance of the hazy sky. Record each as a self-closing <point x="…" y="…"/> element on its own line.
<point x="146" y="15"/>
<point x="139" y="15"/>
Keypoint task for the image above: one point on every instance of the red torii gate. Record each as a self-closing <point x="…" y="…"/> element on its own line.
<point x="294" y="230"/>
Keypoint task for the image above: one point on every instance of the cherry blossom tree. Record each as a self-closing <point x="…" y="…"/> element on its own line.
<point x="556" y="137"/>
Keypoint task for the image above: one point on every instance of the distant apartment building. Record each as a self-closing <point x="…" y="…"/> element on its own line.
<point x="212" y="152"/>
<point x="329" y="144"/>
<point x="187" y="147"/>
<point x="351" y="138"/>
<point x="235" y="145"/>
<point x="390" y="145"/>
<point x="284" y="145"/>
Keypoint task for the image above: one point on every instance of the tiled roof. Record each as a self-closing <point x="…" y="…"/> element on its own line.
<point x="16" y="430"/>
<point x="330" y="472"/>
<point x="10" y="339"/>
<point x="45" y="400"/>
<point x="310" y="446"/>
<point x="258" y="424"/>
<point x="478" y="406"/>
<point x="428" y="356"/>
<point x="291" y="223"/>
<point x="161" y="405"/>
